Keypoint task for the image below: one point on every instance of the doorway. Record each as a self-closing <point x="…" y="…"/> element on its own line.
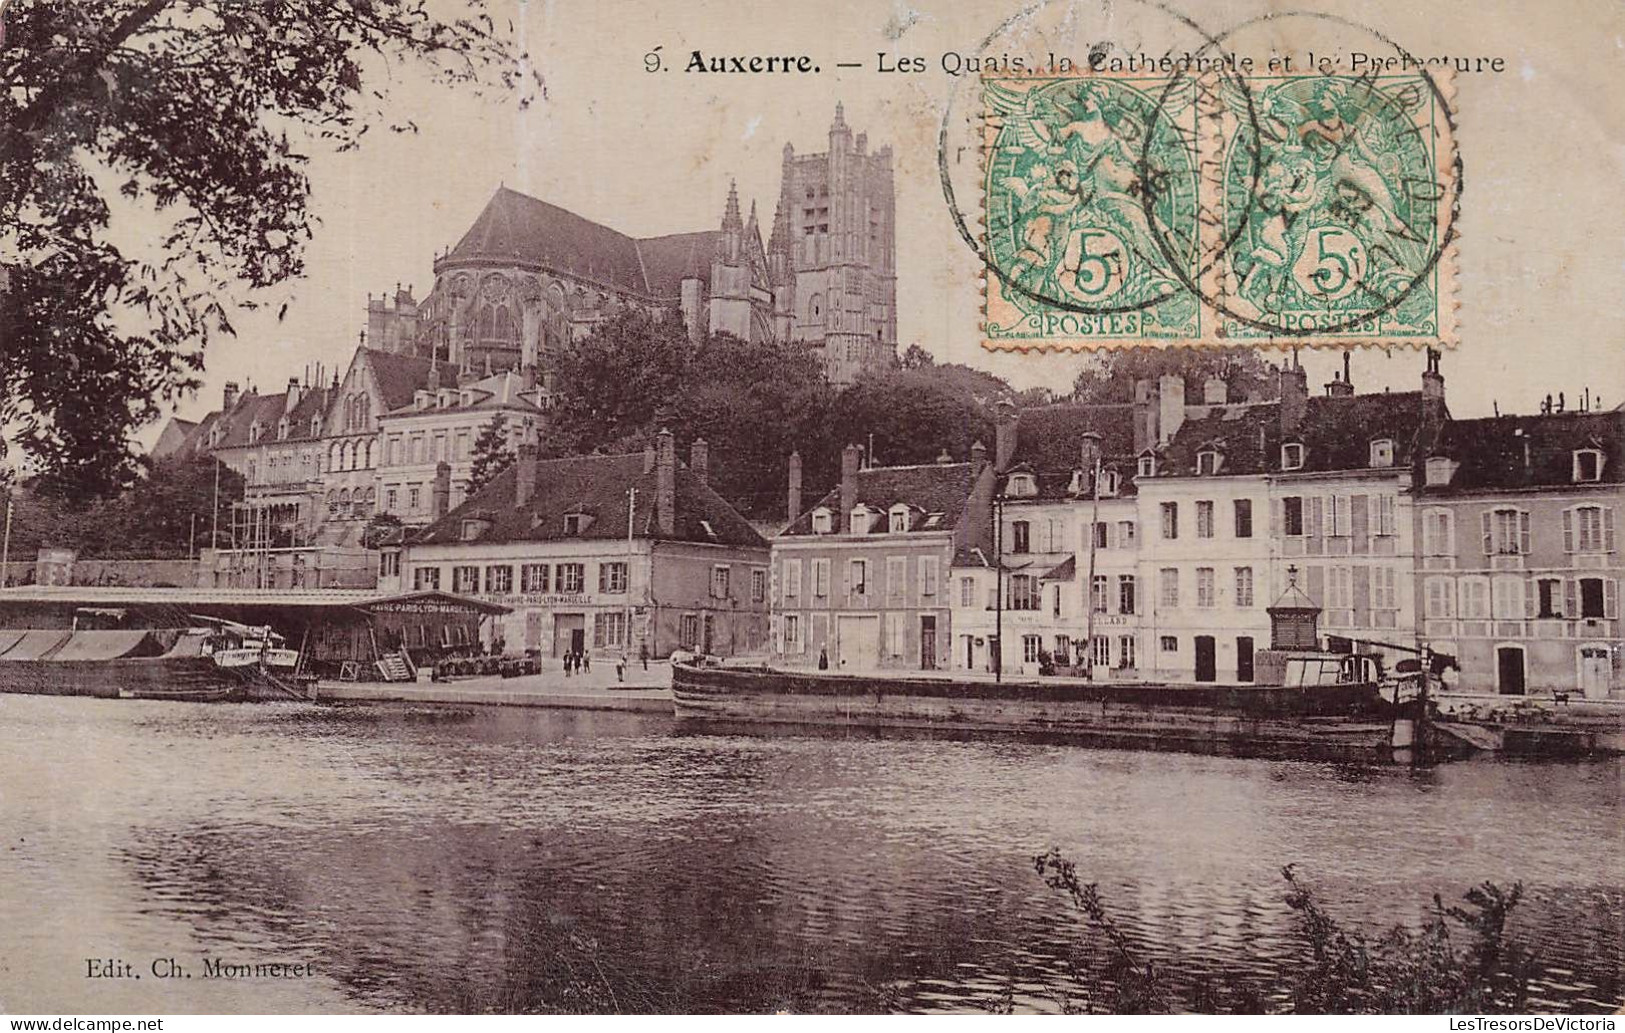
<point x="1509" y="670"/>
<point x="858" y="642"/>
<point x="928" y="642"/>
<point x="1207" y="660"/>
<point x="569" y="633"/>
<point x="1244" y="658"/>
<point x="1594" y="672"/>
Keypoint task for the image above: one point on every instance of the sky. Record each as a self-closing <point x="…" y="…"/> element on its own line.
<point x="1543" y="143"/>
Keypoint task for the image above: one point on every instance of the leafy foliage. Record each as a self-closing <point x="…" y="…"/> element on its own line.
<point x="193" y="110"/>
<point x="491" y="453"/>
<point x="1110" y="373"/>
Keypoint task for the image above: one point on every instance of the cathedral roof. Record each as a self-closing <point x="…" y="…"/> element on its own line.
<point x="518" y="226"/>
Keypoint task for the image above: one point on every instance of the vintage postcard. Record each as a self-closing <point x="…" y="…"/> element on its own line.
<point x="855" y="507"/>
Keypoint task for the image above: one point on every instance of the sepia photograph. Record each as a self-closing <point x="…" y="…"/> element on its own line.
<point x="837" y="508"/>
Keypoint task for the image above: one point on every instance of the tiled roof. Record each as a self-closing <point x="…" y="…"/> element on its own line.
<point x="596" y="486"/>
<point x="1336" y="433"/>
<point x="265" y="409"/>
<point x="934" y="488"/>
<point x="517" y="226"/>
<point x="398" y="376"/>
<point x="1049" y="442"/>
<point x="1492" y="453"/>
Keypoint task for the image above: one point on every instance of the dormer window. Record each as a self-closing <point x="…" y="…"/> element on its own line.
<point x="1439" y="470"/>
<point x="1109" y="482"/>
<point x="1292" y="456"/>
<point x="576" y="523"/>
<point x="1023" y="485"/>
<point x="1208" y="462"/>
<point x="473" y="528"/>
<point x="1587" y="465"/>
<point x="821" y="521"/>
<point x="315" y="426"/>
<point x="1382" y="452"/>
<point x="860" y="519"/>
<point x="282" y="429"/>
<point x="443" y="399"/>
<point x="1147" y="466"/>
<point x="897" y="520"/>
<point x="253" y="432"/>
<point x="467" y="399"/>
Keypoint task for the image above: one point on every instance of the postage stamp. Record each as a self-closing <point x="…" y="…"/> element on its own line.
<point x="1209" y="207"/>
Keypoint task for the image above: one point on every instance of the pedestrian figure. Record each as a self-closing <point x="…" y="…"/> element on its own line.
<point x="823" y="659"/>
<point x="643" y="654"/>
<point x="586" y="662"/>
<point x="568" y="657"/>
<point x="620" y="669"/>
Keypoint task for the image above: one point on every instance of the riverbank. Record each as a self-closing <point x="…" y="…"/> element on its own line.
<point x="642" y="691"/>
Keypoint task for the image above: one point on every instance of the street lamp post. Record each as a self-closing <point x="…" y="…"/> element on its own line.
<point x="5" y="545"/>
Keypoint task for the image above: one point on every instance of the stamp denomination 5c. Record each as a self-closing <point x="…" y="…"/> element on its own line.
<point x="1207" y="207"/>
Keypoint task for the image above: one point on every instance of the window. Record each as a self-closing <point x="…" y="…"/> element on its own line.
<point x="1147" y="466"/>
<point x="1340" y="594"/>
<point x="1125" y="534"/>
<point x="1440" y="597"/>
<point x="1587" y="465"/>
<point x="967" y="592"/>
<point x="465" y="580"/>
<point x="1125" y="651"/>
<point x="1097" y="594"/>
<point x="1383" y="593"/>
<point x="792" y="578"/>
<point x="612" y="577"/>
<point x="1384" y="522"/>
<point x="929" y="576"/>
<point x="1506" y="532"/>
<point x="895" y="639"/>
<point x="472" y="529"/>
<point x="1292" y="456"/>
<point x="1382" y="452"/>
<point x="898" y="520"/>
<point x="1337" y="515"/>
<point x="609" y="630"/>
<point x="1169" y="644"/>
<point x="1023" y="592"/>
<point x="1551" y="597"/>
<point x="414" y="498"/>
<point x="1292" y="516"/>
<point x="392" y="499"/>
<point x="1207" y="462"/>
<point x="857" y="577"/>
<point x="1023" y="485"/>
<point x="792" y="633"/>
<point x="1591" y="598"/>
<point x="1204" y="586"/>
<point x="719" y="581"/>
<point x="571" y="578"/>
<point x="758" y="585"/>
<point x="1170" y="520"/>
<point x="1438" y="533"/>
<point x="1244" y="518"/>
<point x="535" y="578"/>
<point x="1474" y="595"/>
<point x="575" y="523"/>
<point x="1588" y="529"/>
<point x="1055" y="608"/>
<point x="896" y="579"/>
<point x="820" y="571"/>
<point x="498" y="579"/>
<point x="1125" y="593"/>
<point x="1244" y="586"/>
<point x="1204" y="519"/>
<point x="858" y="521"/>
<point x="1030" y="647"/>
<point x="688" y="630"/>
<point x="389" y="564"/>
<point x="426" y="579"/>
<point x="821" y="521"/>
<point x="1020" y="536"/>
<point x="1168" y="584"/>
<point x="1101" y="537"/>
<point x="1506" y="598"/>
<point x="1062" y="650"/>
<point x="1109" y="483"/>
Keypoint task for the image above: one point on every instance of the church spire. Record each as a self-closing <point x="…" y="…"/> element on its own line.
<point x="730" y="214"/>
<point x="780" y="240"/>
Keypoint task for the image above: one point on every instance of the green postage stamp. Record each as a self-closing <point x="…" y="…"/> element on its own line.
<point x="1213" y="208"/>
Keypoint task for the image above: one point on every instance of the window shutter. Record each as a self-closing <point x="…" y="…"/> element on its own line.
<point x="1275" y="518"/>
<point x="1571" y="598"/>
<point x="1314" y="517"/>
<point x="1317" y="581"/>
<point x="1531" y="598"/>
<point x="1523" y="532"/>
<point x="1610" y="597"/>
<point x="1608" y="529"/>
<point x="1568" y="530"/>
<point x="1359" y="521"/>
<point x="1489" y="546"/>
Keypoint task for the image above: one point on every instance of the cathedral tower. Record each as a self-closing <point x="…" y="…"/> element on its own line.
<point x="840" y="245"/>
<point x="741" y="296"/>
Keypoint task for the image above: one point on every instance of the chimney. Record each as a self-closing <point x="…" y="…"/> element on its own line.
<point x="293" y="393"/>
<point x="699" y="460"/>
<point x="1215" y="391"/>
<point x="434" y="376"/>
<point x="794" y="504"/>
<point x="665" y="484"/>
<point x="1433" y="408"/>
<point x="1170" y="406"/>
<point x="229" y="397"/>
<point x="1089" y="453"/>
<point x="524" y="488"/>
<point x="648" y="458"/>
<point x="1145" y="416"/>
<point x="440" y="495"/>
<point x="849" y="484"/>
<point x="1341" y="386"/>
<point x="1294" y="399"/>
<point x="1432" y="379"/>
<point x="978" y="456"/>
<point x="1004" y="434"/>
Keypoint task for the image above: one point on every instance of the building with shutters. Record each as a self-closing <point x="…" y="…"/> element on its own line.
<point x="607" y="554"/>
<point x="1518" y="563"/>
<point x="863" y="576"/>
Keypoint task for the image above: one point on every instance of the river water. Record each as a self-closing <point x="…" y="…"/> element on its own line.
<point x="445" y="859"/>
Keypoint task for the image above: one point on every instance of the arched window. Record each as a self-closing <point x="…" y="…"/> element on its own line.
<point x="367" y="454"/>
<point x="333" y="457"/>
